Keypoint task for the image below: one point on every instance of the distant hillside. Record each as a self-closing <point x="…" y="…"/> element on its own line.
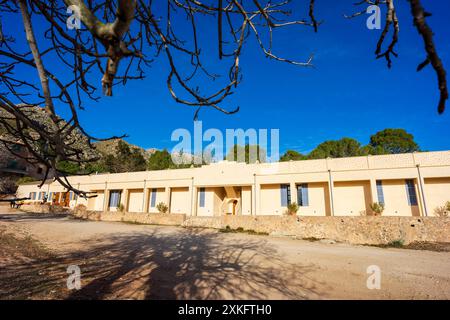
<point x="109" y="148"/>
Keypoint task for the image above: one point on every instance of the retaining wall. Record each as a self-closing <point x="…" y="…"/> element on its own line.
<point x="355" y="230"/>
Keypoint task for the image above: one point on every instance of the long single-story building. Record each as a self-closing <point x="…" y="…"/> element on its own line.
<point x="413" y="184"/>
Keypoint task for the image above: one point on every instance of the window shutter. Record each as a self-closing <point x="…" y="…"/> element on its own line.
<point x="114" y="198"/>
<point x="202" y="197"/>
<point x="283" y="190"/>
<point x="153" y="200"/>
<point x="380" y="192"/>
<point x="305" y="195"/>
<point x="411" y="193"/>
<point x="112" y="195"/>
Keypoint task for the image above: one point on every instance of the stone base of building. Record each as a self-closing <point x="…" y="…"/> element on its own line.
<point x="45" y="208"/>
<point x="354" y="230"/>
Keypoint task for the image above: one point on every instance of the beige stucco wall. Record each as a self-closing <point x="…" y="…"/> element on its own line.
<point x="209" y="208"/>
<point x="135" y="200"/>
<point x="96" y="203"/>
<point x="180" y="201"/>
<point x="270" y="200"/>
<point x="246" y="201"/>
<point x="437" y="193"/>
<point x="351" y="198"/>
<point x="396" y="199"/>
<point x="319" y="200"/>
<point x="160" y="197"/>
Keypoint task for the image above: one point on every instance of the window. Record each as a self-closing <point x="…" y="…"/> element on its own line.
<point x="114" y="198"/>
<point x="50" y="197"/>
<point x="380" y="193"/>
<point x="153" y="198"/>
<point x="39" y="195"/>
<point x="285" y="195"/>
<point x="202" y="197"/>
<point x="411" y="192"/>
<point x="302" y="195"/>
<point x="33" y="195"/>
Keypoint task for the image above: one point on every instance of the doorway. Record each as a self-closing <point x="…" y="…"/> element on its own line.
<point x="235" y="202"/>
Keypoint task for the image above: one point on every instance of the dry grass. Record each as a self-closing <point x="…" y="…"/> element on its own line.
<point x="24" y="246"/>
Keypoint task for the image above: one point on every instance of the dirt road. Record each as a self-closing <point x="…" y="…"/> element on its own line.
<point x="126" y="261"/>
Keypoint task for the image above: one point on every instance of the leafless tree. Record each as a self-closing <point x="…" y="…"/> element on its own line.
<point x="132" y="33"/>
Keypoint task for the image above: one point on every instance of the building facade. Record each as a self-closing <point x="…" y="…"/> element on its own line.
<point x="407" y="184"/>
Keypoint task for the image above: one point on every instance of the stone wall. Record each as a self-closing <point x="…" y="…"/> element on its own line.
<point x="355" y="230"/>
<point x="44" y="208"/>
<point x="144" y="218"/>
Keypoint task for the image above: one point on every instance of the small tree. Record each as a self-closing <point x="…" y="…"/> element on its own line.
<point x="162" y="207"/>
<point x="377" y="208"/>
<point x="292" y="209"/>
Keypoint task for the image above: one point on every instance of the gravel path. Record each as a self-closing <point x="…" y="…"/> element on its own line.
<point x="126" y="261"/>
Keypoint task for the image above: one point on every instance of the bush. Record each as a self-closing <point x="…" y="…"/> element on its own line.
<point x="23" y="180"/>
<point x="377" y="208"/>
<point x="441" y="211"/>
<point x="292" y="209"/>
<point x="162" y="207"/>
<point x="396" y="243"/>
<point x="121" y="208"/>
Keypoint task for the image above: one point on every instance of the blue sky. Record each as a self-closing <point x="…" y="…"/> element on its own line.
<point x="347" y="94"/>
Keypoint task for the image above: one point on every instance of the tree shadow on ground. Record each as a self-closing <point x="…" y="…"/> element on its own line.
<point x="187" y="264"/>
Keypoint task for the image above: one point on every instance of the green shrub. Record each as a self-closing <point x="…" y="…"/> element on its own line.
<point x="162" y="207"/>
<point x="23" y="180"/>
<point x="228" y="229"/>
<point x="121" y="208"/>
<point x="377" y="208"/>
<point x="292" y="209"/>
<point x="396" y="243"/>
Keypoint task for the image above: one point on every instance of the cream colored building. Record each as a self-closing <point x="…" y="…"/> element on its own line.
<point x="408" y="184"/>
